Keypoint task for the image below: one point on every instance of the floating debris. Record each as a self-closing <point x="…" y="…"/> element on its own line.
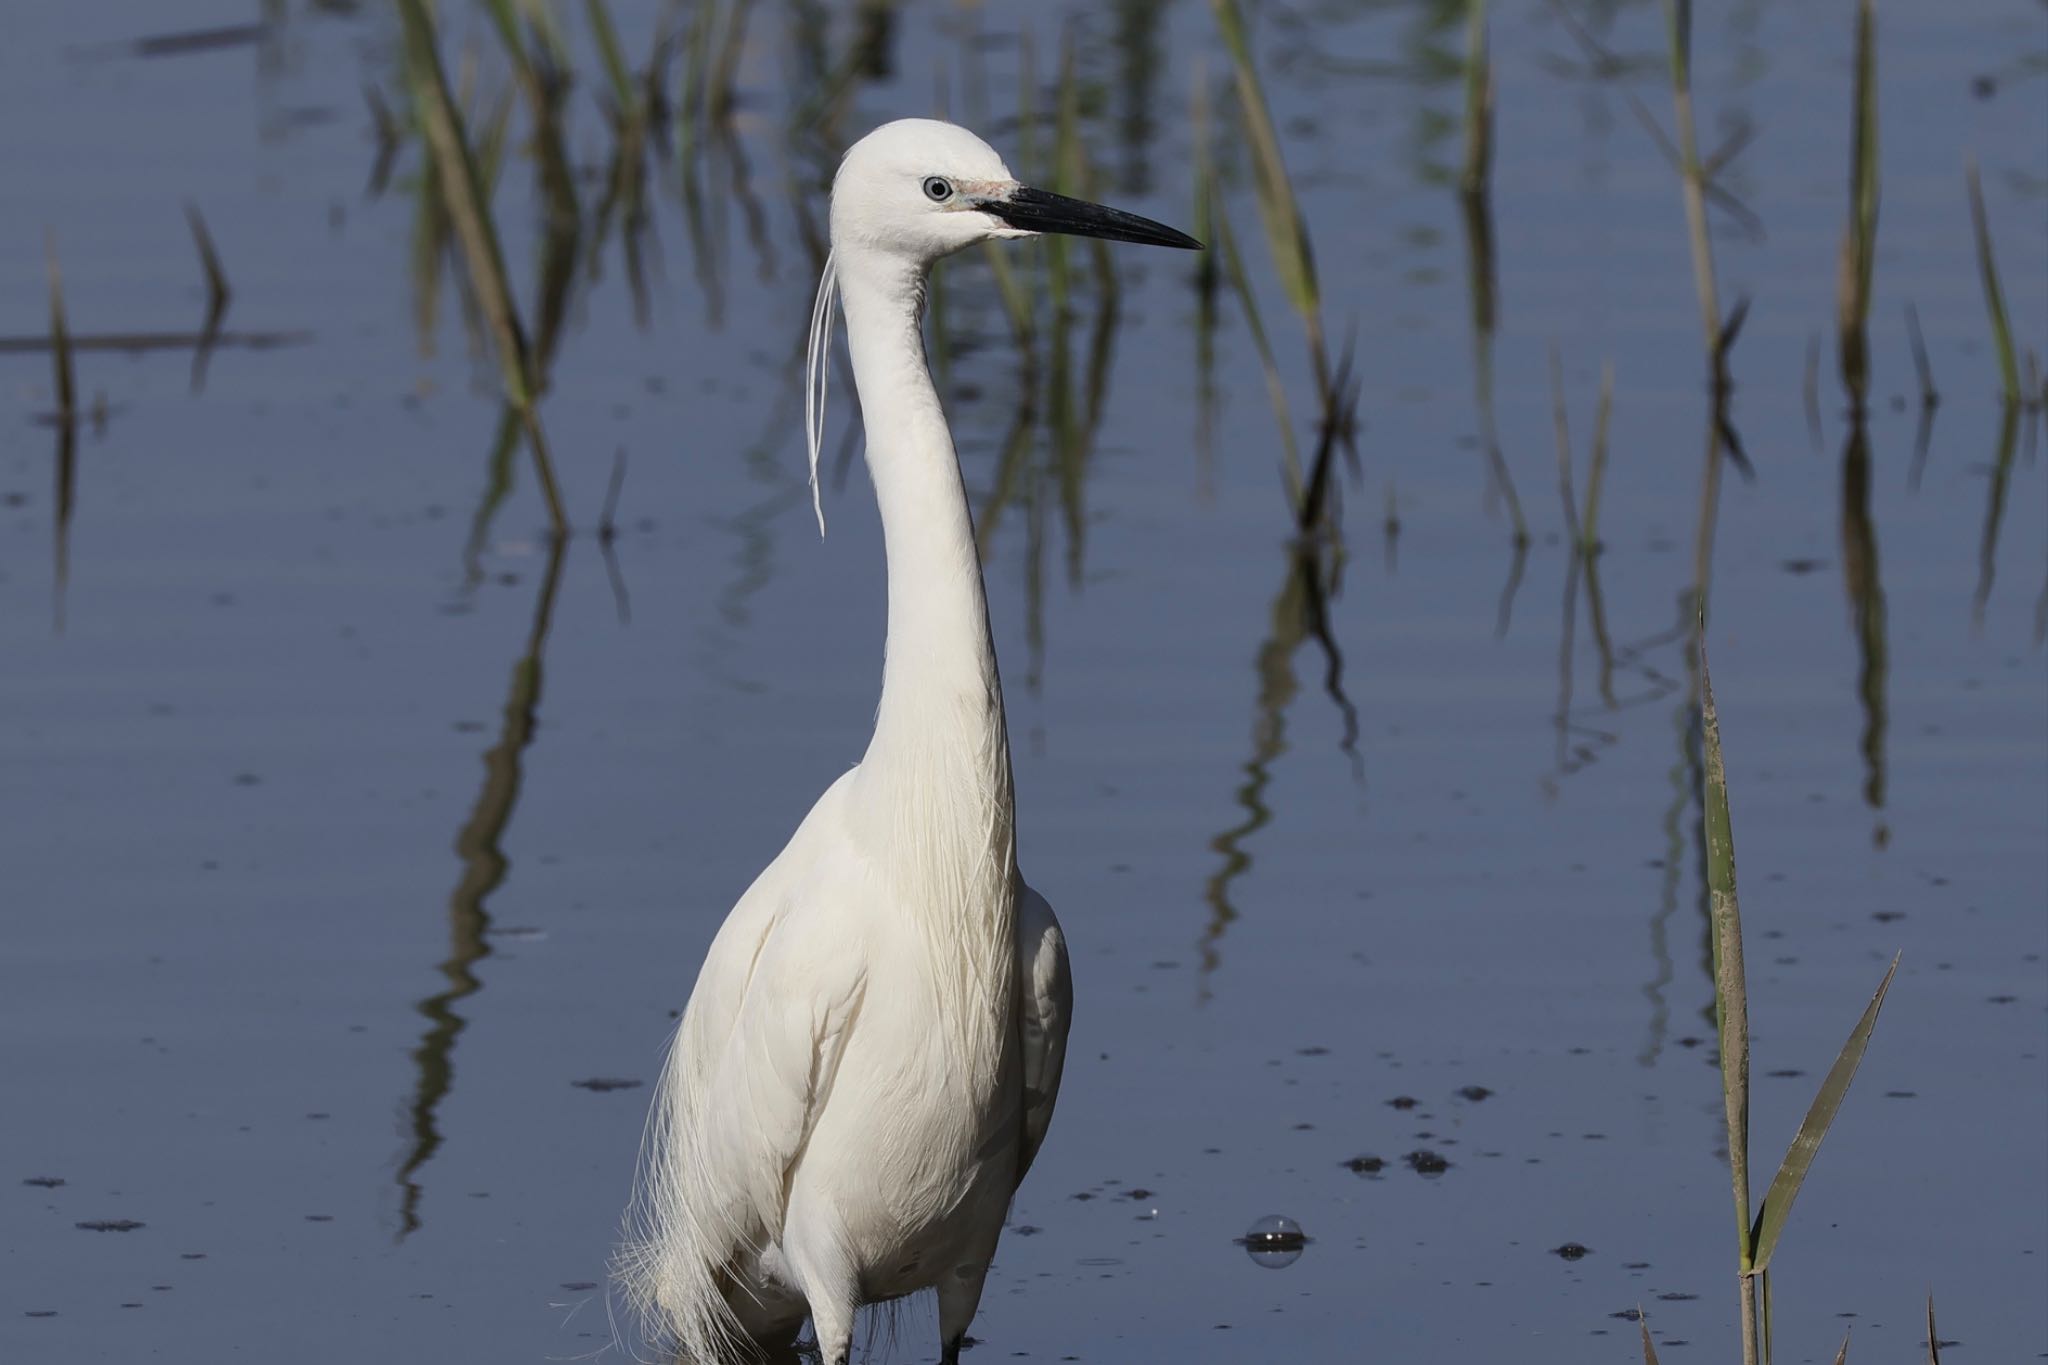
<point x="1275" y="1242"/>
<point x="1426" y="1162"/>
<point x="1365" y="1165"/>
<point x="44" y="1182"/>
<point x="109" y="1225"/>
<point x="1571" y="1251"/>
<point x="606" y="1084"/>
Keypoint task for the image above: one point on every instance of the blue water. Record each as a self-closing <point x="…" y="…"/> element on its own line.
<point x="307" y="937"/>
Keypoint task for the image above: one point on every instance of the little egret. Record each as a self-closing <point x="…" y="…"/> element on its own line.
<point x="870" y="1056"/>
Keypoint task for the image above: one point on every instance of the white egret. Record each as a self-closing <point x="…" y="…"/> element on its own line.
<point x="869" y="1060"/>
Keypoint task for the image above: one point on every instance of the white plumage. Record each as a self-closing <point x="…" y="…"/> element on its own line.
<point x="869" y="1060"/>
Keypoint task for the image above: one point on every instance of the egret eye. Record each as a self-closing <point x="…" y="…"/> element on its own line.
<point x="937" y="189"/>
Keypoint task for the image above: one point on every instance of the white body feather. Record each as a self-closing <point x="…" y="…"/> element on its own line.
<point x="871" y="1054"/>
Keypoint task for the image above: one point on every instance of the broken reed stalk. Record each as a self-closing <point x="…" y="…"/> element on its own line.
<point x="468" y="210"/>
<point x="1994" y="297"/>
<point x="1859" y="237"/>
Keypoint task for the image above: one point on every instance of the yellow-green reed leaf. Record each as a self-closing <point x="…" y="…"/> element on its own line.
<point x="462" y="196"/>
<point x="1777" y="1203"/>
<point x="1994" y="297"/>
<point x="1731" y="990"/>
<point x="1286" y="232"/>
<point x="461" y="192"/>
<point x="1649" y="1351"/>
<point x="1842" y="1356"/>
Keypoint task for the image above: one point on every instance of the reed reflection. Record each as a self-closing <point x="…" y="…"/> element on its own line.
<point x="484" y="869"/>
<point x="1300" y="612"/>
<point x="1867" y="613"/>
<point x="1994" y="508"/>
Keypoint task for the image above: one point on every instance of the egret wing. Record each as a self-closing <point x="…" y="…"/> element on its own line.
<point x="1045" y="1007"/>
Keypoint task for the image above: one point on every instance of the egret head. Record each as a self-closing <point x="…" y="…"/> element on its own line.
<point x="919" y="189"/>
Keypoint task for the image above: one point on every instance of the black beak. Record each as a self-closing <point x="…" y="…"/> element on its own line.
<point x="1042" y="211"/>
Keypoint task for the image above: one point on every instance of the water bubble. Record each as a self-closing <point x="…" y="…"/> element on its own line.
<point x="1275" y="1241"/>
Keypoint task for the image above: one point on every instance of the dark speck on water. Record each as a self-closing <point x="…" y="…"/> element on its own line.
<point x="1365" y="1165"/>
<point x="109" y="1225"/>
<point x="1571" y="1251"/>
<point x="1426" y="1162"/>
<point x="605" y="1084"/>
<point x="47" y="1182"/>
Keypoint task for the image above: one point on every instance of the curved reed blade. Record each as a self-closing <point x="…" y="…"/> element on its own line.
<point x="1777" y="1203"/>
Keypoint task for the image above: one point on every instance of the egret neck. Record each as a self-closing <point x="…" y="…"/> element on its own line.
<point x="939" y="728"/>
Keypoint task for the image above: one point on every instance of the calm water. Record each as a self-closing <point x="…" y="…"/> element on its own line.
<point x="334" y="854"/>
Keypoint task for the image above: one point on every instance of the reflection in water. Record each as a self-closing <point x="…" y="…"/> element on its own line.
<point x="483" y="871"/>
<point x="1476" y="213"/>
<point x="1994" y="510"/>
<point x="1571" y="757"/>
<point x="1300" y="612"/>
<point x="1673" y="864"/>
<point x="67" y="490"/>
<point x="1867" y="610"/>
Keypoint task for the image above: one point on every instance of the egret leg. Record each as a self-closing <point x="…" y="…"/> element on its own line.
<point x="829" y="1284"/>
